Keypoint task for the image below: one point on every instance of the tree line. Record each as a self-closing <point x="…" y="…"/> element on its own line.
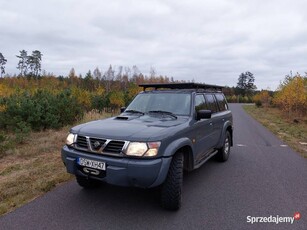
<point x="35" y="103"/>
<point x="29" y="103"/>
<point x="290" y="97"/>
<point x="116" y="86"/>
<point x="28" y="65"/>
<point x="36" y="100"/>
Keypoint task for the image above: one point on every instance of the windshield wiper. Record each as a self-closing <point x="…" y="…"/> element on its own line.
<point x="163" y="113"/>
<point x="134" y="111"/>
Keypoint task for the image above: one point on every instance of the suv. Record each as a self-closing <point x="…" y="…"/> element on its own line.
<point x="164" y="131"/>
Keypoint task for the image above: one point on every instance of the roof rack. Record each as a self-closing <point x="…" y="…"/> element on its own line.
<point x="181" y="86"/>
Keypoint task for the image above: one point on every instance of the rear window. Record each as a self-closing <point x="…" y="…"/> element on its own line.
<point x="200" y="102"/>
<point x="221" y="101"/>
<point x="211" y="103"/>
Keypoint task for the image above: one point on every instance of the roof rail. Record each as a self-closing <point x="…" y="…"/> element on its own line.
<point x="180" y="86"/>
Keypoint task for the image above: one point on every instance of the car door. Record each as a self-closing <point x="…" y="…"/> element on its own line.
<point x="202" y="130"/>
<point x="215" y="119"/>
<point x="223" y="115"/>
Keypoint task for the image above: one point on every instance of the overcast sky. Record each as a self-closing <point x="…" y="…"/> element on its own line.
<point x="208" y="41"/>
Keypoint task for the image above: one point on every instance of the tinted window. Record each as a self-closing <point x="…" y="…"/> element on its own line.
<point x="221" y="102"/>
<point x="211" y="103"/>
<point x="200" y="102"/>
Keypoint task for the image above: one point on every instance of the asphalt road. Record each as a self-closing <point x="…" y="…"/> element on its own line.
<point x="261" y="178"/>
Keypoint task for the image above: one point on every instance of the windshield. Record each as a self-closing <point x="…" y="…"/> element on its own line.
<point x="176" y="103"/>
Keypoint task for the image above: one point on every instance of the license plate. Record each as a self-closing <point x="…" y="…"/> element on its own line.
<point x="91" y="163"/>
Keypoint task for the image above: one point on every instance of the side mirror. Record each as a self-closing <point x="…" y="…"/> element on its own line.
<point x="122" y="109"/>
<point x="203" y="114"/>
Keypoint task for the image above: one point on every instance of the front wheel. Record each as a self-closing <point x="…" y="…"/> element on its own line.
<point x="171" y="189"/>
<point x="223" y="153"/>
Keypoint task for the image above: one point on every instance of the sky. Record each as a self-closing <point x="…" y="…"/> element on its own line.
<point x="205" y="41"/>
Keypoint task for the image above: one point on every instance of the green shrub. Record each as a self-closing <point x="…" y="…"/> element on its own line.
<point x="42" y="110"/>
<point x="68" y="109"/>
<point x="99" y="102"/>
<point x="258" y="103"/>
<point x="2" y="144"/>
<point x="21" y="130"/>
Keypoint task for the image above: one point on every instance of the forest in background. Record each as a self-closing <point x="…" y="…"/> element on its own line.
<point x="48" y="101"/>
<point x="35" y="100"/>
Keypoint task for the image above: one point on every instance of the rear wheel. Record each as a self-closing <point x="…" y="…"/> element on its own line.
<point x="223" y="153"/>
<point x="171" y="189"/>
<point x="87" y="182"/>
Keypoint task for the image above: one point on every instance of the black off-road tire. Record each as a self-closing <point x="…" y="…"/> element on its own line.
<point x="223" y="153"/>
<point x="87" y="183"/>
<point x="171" y="188"/>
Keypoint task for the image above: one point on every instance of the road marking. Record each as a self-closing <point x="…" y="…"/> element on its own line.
<point x="284" y="146"/>
<point x="241" y="145"/>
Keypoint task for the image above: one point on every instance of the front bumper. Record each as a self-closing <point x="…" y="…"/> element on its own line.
<point x="145" y="173"/>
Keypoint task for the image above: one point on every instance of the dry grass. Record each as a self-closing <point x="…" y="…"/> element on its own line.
<point x="35" y="167"/>
<point x="293" y="133"/>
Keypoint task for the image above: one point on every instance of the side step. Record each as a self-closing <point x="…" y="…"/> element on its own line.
<point x="202" y="161"/>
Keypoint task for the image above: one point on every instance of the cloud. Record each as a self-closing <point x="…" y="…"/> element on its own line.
<point x="208" y="41"/>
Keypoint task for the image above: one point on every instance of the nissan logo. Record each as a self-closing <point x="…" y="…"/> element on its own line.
<point x="96" y="144"/>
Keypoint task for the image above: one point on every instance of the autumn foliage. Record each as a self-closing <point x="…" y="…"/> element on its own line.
<point x="263" y="98"/>
<point x="292" y="96"/>
<point x="28" y="103"/>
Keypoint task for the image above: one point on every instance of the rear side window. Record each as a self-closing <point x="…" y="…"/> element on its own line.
<point x="221" y="101"/>
<point x="200" y="102"/>
<point x="211" y="103"/>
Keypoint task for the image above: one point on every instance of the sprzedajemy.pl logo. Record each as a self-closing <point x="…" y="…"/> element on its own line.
<point x="273" y="219"/>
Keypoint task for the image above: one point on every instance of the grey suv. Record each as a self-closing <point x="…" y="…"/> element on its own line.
<point x="166" y="129"/>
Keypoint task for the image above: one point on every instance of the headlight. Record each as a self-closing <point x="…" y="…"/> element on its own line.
<point x="70" y="139"/>
<point x="136" y="149"/>
<point x="153" y="148"/>
<point x="139" y="149"/>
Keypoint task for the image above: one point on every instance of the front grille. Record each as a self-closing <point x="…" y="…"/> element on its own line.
<point x="82" y="142"/>
<point x="114" y="147"/>
<point x="100" y="146"/>
<point x="96" y="143"/>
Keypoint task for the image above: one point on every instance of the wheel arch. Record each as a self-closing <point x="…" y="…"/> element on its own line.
<point x="188" y="159"/>
<point x="227" y="127"/>
<point x="230" y="130"/>
<point x="185" y="146"/>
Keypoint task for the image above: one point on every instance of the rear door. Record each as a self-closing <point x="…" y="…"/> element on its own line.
<point x="223" y="114"/>
<point x="215" y="119"/>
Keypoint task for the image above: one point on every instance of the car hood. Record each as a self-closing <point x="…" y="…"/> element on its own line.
<point x="132" y="128"/>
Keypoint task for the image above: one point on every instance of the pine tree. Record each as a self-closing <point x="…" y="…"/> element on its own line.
<point x="246" y="83"/>
<point x="34" y="63"/>
<point x="2" y="64"/>
<point x="23" y="62"/>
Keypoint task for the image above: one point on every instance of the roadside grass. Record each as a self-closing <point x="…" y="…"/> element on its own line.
<point x="34" y="167"/>
<point x="292" y="133"/>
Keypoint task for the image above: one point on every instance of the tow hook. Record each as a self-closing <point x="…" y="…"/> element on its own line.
<point x="91" y="171"/>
